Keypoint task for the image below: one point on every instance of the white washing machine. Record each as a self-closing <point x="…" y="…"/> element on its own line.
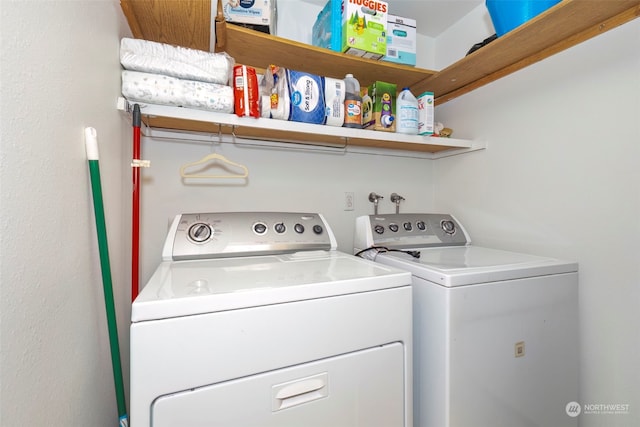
<point x="254" y="319"/>
<point x="495" y="332"/>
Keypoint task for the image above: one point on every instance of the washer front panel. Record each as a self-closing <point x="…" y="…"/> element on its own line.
<point x="410" y="230"/>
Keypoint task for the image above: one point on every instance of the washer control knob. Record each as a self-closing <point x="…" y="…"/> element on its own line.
<point x="421" y="225"/>
<point x="200" y="232"/>
<point x="378" y="229"/>
<point x="299" y="228"/>
<point x="280" y="228"/>
<point x="448" y="226"/>
<point x="407" y="226"/>
<point x="259" y="228"/>
<point x="393" y="227"/>
<point x="318" y="229"/>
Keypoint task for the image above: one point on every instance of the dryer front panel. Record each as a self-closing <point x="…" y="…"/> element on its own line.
<point x="347" y="390"/>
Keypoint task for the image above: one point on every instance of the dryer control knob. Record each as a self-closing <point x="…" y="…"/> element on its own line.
<point x="378" y="229"/>
<point x="260" y="228"/>
<point x="299" y="228"/>
<point x="200" y="232"/>
<point x="421" y="225"/>
<point x="280" y="228"/>
<point x="393" y="227"/>
<point x="318" y="229"/>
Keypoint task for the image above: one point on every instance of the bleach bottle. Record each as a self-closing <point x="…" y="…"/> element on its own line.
<point x="406" y="112"/>
<point x="352" y="103"/>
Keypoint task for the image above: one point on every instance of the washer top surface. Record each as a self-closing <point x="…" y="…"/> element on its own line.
<point x="180" y="288"/>
<point x="468" y="265"/>
<point x="446" y="254"/>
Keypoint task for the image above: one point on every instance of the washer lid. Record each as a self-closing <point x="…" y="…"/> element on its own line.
<point x="467" y="265"/>
<point x="180" y="288"/>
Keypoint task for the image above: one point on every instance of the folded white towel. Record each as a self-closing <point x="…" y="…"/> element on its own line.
<point x="190" y="64"/>
<point x="165" y="90"/>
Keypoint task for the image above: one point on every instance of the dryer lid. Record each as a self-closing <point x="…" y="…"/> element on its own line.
<point x="467" y="265"/>
<point x="180" y="288"/>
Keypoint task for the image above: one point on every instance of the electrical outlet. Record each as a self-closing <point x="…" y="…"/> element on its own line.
<point x="348" y="201"/>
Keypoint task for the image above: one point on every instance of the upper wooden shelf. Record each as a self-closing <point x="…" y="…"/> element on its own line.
<point x="188" y="23"/>
<point x="568" y="23"/>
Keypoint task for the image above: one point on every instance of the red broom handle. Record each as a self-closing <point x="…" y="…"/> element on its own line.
<point x="135" y="228"/>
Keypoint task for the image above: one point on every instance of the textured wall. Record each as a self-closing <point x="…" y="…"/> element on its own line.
<point x="59" y="74"/>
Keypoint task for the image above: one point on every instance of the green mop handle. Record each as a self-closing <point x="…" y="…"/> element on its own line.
<point x="91" y="142"/>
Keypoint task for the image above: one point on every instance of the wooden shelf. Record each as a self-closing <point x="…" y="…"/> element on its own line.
<point x="188" y="23"/>
<point x="570" y="22"/>
<point x="186" y="119"/>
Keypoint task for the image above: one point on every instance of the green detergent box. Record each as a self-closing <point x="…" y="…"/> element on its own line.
<point x="383" y="99"/>
<point x="364" y="28"/>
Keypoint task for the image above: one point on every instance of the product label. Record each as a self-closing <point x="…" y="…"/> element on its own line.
<point x="371" y="4"/>
<point x="407" y="118"/>
<point x="352" y="112"/>
<point x="306" y="94"/>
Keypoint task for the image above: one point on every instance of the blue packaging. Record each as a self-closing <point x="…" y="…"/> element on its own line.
<point x="509" y="14"/>
<point x="327" y="30"/>
<point x="307" y="97"/>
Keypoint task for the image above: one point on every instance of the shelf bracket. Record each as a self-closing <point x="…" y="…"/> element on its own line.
<point x="220" y="30"/>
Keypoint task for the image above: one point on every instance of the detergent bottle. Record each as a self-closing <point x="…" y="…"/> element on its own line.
<point x="352" y="103"/>
<point x="406" y="112"/>
<point x="367" y="108"/>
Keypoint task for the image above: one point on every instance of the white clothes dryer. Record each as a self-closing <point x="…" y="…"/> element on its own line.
<point x="495" y="332"/>
<point x="254" y="319"/>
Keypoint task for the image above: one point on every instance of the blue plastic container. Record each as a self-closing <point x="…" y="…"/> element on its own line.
<point x="509" y="14"/>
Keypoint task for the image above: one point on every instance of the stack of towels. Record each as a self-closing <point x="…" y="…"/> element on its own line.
<point x="159" y="73"/>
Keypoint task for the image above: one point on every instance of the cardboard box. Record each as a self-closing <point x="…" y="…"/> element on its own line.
<point x="383" y="98"/>
<point x="426" y="109"/>
<point x="355" y="27"/>
<point x="401" y="40"/>
<point x="327" y="30"/>
<point x="258" y="15"/>
<point x="364" y="28"/>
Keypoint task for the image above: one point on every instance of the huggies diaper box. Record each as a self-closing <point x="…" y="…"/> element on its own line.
<point x="362" y="31"/>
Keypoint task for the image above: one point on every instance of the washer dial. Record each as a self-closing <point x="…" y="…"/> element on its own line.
<point x="448" y="226"/>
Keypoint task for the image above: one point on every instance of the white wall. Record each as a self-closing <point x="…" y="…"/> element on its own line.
<point x="560" y="177"/>
<point x="454" y="43"/>
<point x="59" y="70"/>
<point x="286" y="180"/>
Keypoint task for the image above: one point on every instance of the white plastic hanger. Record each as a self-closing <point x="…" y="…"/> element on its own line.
<point x="208" y="158"/>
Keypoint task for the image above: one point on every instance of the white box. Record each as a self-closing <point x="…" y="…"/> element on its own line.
<point x="401" y="40"/>
<point x="425" y="113"/>
<point x="259" y="15"/>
